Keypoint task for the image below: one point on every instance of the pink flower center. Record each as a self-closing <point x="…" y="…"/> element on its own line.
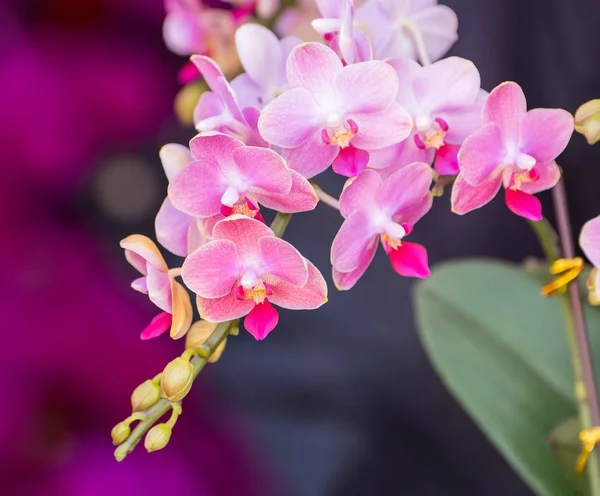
<point x="243" y="206"/>
<point x="339" y="134"/>
<point x="391" y="238"/>
<point x="520" y="177"/>
<point x="430" y="133"/>
<point x="258" y="292"/>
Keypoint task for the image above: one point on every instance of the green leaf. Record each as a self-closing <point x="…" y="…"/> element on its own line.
<point x="566" y="447"/>
<point x="501" y="349"/>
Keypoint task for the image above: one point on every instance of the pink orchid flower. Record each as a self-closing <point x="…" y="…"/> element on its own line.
<point x="226" y="177"/>
<point x="218" y="110"/>
<point x="160" y="286"/>
<point x="338" y="28"/>
<point x="392" y="23"/>
<point x="334" y="114"/>
<point x="589" y="240"/>
<point x="382" y="210"/>
<point x="514" y="147"/>
<point x="183" y="29"/>
<point x="244" y="270"/>
<point x="177" y="231"/>
<point x="445" y="102"/>
<point x="263" y="57"/>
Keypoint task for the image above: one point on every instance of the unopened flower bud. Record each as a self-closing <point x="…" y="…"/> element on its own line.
<point x="145" y="395"/>
<point x="157" y="437"/>
<point x="177" y="379"/>
<point x="120" y="433"/>
<point x="199" y="333"/>
<point x="587" y="121"/>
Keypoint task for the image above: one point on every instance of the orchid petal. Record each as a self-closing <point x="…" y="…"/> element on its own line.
<point x="352" y="240"/>
<point x="264" y="169"/>
<point x="360" y="193"/>
<point x="157" y="326"/>
<point x="204" y="177"/>
<point x="545" y="133"/>
<point x="214" y="147"/>
<point x="466" y="197"/>
<point x="549" y="175"/>
<point x="301" y="198"/>
<point x="174" y="158"/>
<point x="350" y="161"/>
<point x="261" y="320"/>
<point x="410" y="260"/>
<point x="244" y="232"/>
<point x="310" y="296"/>
<point x="312" y="158"/>
<point x="446" y="160"/>
<point x="281" y="259"/>
<point x="140" y="250"/>
<point x="182" y="311"/>
<point x="524" y="204"/>
<point x="172" y="227"/>
<point x="406" y="187"/>
<point x="346" y="280"/>
<point x="260" y="53"/>
<point x="377" y="131"/>
<point x="506" y="106"/>
<point x="438" y="25"/>
<point x="223" y="309"/>
<point x="159" y="289"/>
<point x="589" y="240"/>
<point x="481" y="154"/>
<point x="247" y="92"/>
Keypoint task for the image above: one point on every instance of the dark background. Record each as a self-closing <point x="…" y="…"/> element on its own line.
<point x="339" y="401"/>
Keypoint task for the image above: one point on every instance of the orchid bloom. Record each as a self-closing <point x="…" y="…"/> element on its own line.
<point x="183" y="29"/>
<point x="177" y="231"/>
<point x="227" y="177"/>
<point x="382" y="210"/>
<point x="263" y="57"/>
<point x="244" y="270"/>
<point x="160" y="286"/>
<point x="218" y="110"/>
<point x="445" y="102"/>
<point x="394" y="24"/>
<point x="514" y="147"/>
<point x="337" y="27"/>
<point x="334" y="114"/>
<point x="589" y="240"/>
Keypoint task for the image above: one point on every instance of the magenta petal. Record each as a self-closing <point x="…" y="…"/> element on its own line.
<point x="446" y="160"/>
<point x="261" y="320"/>
<point x="158" y="325"/>
<point x="589" y="240"/>
<point x="466" y="197"/>
<point x="506" y="106"/>
<point x="410" y="260"/>
<point x="545" y="133"/>
<point x="481" y="154"/>
<point x="281" y="259"/>
<point x="524" y="204"/>
<point x="350" y="161"/>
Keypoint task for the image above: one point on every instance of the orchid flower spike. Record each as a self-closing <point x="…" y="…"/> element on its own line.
<point x="334" y="114"/>
<point x="177" y="231"/>
<point x="385" y="211"/>
<point x="397" y="25"/>
<point x="227" y="177"/>
<point x="514" y="147"/>
<point x="589" y="240"/>
<point x="244" y="270"/>
<point x="338" y="28"/>
<point x="444" y="100"/>
<point x="218" y="110"/>
<point x="263" y="57"/>
<point x="160" y="286"/>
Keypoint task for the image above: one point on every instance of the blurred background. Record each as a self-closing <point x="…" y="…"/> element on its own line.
<point x="340" y="401"/>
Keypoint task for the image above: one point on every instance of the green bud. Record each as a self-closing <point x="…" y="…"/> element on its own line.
<point x="145" y="395"/>
<point x="587" y="121"/>
<point x="177" y="379"/>
<point x="120" y="433"/>
<point x="157" y="437"/>
<point x="198" y="334"/>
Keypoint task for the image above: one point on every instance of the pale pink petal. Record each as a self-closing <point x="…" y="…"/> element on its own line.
<point x="140" y="285"/>
<point x="549" y="175"/>
<point x="481" y="154"/>
<point x="281" y="259"/>
<point x="172" y="227"/>
<point x="312" y="158"/>
<point x="212" y="269"/>
<point x="308" y="297"/>
<point x="466" y="197"/>
<point x="407" y="70"/>
<point x="198" y="233"/>
<point x="208" y="107"/>
<point x="506" y="106"/>
<point x="346" y="36"/>
<point x="369" y="87"/>
<point x="394" y="8"/>
<point x="545" y="133"/>
<point x="197" y="190"/>
<point x="523" y="204"/>
<point x="350" y="161"/>
<point x="406" y="188"/>
<point x="392" y="158"/>
<point x="438" y="25"/>
<point x="331" y="8"/>
<point x="360" y="193"/>
<point x="377" y="131"/>
<point x="248" y="93"/>
<point x="157" y="326"/>
<point x="346" y="280"/>
<point x="446" y="160"/>
<point x="263" y="169"/>
<point x="463" y="121"/>
<point x="451" y="83"/>
<point x="352" y="240"/>
<point x="174" y="158"/>
<point x="415" y="212"/>
<point x="260" y="53"/>
<point x="410" y="260"/>
<point x="291" y="119"/>
<point x="159" y="289"/>
<point x="244" y="232"/>
<point x="261" y="320"/>
<point x="254" y="138"/>
<point x="184" y="33"/>
<point x="223" y="309"/>
<point x="301" y="198"/>
<point x="266" y="9"/>
<point x="214" y="147"/>
<point x="182" y="311"/>
<point x="313" y="66"/>
<point x="140" y="250"/>
<point x="589" y="240"/>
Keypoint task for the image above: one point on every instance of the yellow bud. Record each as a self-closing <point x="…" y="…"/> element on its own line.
<point x="120" y="433"/>
<point x="199" y="333"/>
<point x="157" y="438"/>
<point x="177" y="379"/>
<point x="144" y="396"/>
<point x="587" y="121"/>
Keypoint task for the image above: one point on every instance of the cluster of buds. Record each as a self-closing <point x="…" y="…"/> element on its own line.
<point x="359" y="102"/>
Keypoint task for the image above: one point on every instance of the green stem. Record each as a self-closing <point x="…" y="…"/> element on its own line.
<point x="585" y="386"/>
<point x="280" y="223"/>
